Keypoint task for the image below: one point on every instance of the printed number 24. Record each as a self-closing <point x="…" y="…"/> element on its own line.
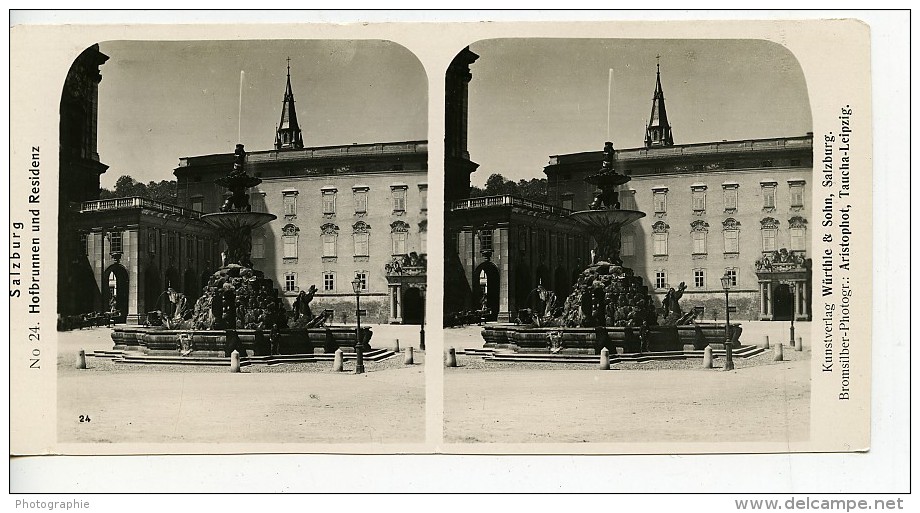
<point x="84" y="418"/>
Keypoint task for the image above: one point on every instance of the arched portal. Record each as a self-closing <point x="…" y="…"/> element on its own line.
<point x="561" y="284"/>
<point x="413" y="305"/>
<point x="115" y="291"/>
<point x="486" y="289"/>
<point x="190" y="285"/>
<point x="782" y="302"/>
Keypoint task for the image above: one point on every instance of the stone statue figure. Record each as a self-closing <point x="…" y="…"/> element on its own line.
<point x="671" y="302"/>
<point x="302" y="304"/>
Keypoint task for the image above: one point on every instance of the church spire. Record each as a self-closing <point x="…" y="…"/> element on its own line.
<point x="658" y="131"/>
<point x="288" y="135"/>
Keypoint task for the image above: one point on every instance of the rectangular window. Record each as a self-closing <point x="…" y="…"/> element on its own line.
<point x="661" y="201"/>
<point x="660" y="243"/>
<point x="361" y="201"/>
<point x="424" y="242"/>
<point x="731" y="241"/>
<point x="797" y="239"/>
<point x="399" y="200"/>
<point x="797" y="196"/>
<point x="699" y="243"/>
<point x="290" y="246"/>
<point x="400" y="240"/>
<point x="730" y="197"/>
<point x="258" y="246"/>
<point x="329" y="202"/>
<point x="84" y="243"/>
<point x="290" y="282"/>
<point x="361" y="244"/>
<point x="328" y="281"/>
<point x="661" y="280"/>
<point x="769" y="197"/>
<point x="567" y="201"/>
<point x="290" y="204"/>
<point x="699" y="278"/>
<point x="329" y="244"/>
<point x="423" y="197"/>
<point x="197" y="203"/>
<point x="733" y="275"/>
<point x="628" y="245"/>
<point x="628" y="200"/>
<point x="115" y="242"/>
<point x="485" y="240"/>
<point x="171" y="245"/>
<point x="362" y="280"/>
<point x="769" y="239"/>
<point x="699" y="200"/>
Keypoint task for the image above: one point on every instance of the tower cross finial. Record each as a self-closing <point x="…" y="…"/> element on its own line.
<point x="289" y="65"/>
<point x="658" y="61"/>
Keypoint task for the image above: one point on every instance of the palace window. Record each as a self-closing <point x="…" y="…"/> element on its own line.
<point x="290" y="282"/>
<point x="768" y="191"/>
<point x="698" y="197"/>
<point x="171" y="245"/>
<point x="423" y="196"/>
<point x="84" y="243"/>
<point x="768" y="229"/>
<point x="660" y="199"/>
<point x="660" y="238"/>
<point x="197" y="203"/>
<point x="699" y="231"/>
<point x="289" y="239"/>
<point x="699" y="278"/>
<point x="258" y="245"/>
<point x="360" y="199"/>
<point x="362" y="280"/>
<point x="730" y="197"/>
<point x="328" y="200"/>
<point x="628" y="200"/>
<point x="628" y="244"/>
<point x="330" y="236"/>
<point x="732" y="273"/>
<point x="399" y="231"/>
<point x="362" y="239"/>
<point x="115" y="242"/>
<point x="797" y="226"/>
<point x="730" y="235"/>
<point x="399" y="197"/>
<point x="567" y="200"/>
<point x="151" y="241"/>
<point x="796" y="193"/>
<point x="328" y="281"/>
<point x="290" y="204"/>
<point x="485" y="239"/>
<point x="661" y="279"/>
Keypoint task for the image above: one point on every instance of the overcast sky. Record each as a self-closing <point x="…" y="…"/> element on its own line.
<point x="159" y="101"/>
<point x="532" y="98"/>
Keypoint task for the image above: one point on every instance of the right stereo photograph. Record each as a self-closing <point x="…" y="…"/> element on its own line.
<point x="627" y="256"/>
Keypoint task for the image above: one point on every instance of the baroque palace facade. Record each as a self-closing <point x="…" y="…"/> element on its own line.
<point x="343" y="212"/>
<point x="739" y="207"/>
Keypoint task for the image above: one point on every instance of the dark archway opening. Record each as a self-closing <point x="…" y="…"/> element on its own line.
<point x="152" y="289"/>
<point x="115" y="291"/>
<point x="782" y="303"/>
<point x="190" y="285"/>
<point x="486" y="288"/>
<point x="413" y="306"/>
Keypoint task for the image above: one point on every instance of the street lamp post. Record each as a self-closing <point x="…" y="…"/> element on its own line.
<point x="792" y="316"/>
<point x="726" y="285"/>
<point x="421" y="331"/>
<point x="359" y="345"/>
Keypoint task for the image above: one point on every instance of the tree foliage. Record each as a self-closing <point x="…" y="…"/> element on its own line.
<point x="497" y="185"/>
<point x="164" y="190"/>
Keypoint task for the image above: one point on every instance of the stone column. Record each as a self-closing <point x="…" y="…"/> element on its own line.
<point x="769" y="300"/>
<point x="795" y="299"/>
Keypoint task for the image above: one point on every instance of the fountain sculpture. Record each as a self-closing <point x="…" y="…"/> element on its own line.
<point x="609" y="306"/>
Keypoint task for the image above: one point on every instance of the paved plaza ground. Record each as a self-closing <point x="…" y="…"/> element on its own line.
<point x="303" y="403"/>
<point x="761" y="400"/>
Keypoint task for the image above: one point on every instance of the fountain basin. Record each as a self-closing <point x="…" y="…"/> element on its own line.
<point x="160" y="341"/>
<point x="603" y="220"/>
<point x="232" y="221"/>
<point x="528" y="339"/>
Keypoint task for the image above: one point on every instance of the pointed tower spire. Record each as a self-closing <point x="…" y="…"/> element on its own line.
<point x="658" y="131"/>
<point x="288" y="135"/>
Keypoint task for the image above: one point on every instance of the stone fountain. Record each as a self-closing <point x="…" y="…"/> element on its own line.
<point x="609" y="305"/>
<point x="239" y="308"/>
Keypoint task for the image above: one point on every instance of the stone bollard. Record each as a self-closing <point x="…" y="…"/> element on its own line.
<point x="605" y="359"/>
<point x="451" y="357"/>
<point x="235" y="361"/>
<point x="397" y="346"/>
<point x="766" y="342"/>
<point x="81" y="359"/>
<point x="707" y="357"/>
<point x="798" y="344"/>
<point x="410" y="357"/>
<point x="338" y="364"/>
<point x="778" y="353"/>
